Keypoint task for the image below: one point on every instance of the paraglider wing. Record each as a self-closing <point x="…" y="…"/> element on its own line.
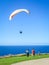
<point x="18" y="11"/>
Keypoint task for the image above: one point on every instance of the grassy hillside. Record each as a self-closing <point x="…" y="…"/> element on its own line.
<point x="15" y="59"/>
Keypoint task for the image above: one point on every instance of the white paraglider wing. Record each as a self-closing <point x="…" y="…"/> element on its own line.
<point x="18" y="11"/>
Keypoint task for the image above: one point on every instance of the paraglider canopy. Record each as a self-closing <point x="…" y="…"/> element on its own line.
<point x="17" y="11"/>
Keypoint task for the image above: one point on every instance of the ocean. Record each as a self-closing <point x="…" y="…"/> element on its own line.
<point x="6" y="50"/>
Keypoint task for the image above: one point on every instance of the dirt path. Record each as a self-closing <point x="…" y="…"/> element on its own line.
<point x="44" y="61"/>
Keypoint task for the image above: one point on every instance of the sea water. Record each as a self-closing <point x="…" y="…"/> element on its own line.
<point x="6" y="50"/>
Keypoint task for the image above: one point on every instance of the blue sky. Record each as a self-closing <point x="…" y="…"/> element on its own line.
<point x="35" y="26"/>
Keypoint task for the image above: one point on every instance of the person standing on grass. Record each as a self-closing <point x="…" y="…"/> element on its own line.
<point x="27" y="53"/>
<point x="33" y="52"/>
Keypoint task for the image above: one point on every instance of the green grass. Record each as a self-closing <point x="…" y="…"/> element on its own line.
<point x="10" y="60"/>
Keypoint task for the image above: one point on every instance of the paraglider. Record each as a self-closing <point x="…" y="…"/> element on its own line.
<point x="18" y="11"/>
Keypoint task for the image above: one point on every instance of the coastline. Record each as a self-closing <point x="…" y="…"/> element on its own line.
<point x="11" y="55"/>
<point x="18" y="55"/>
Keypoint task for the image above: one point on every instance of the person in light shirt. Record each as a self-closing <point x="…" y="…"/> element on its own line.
<point x="27" y="53"/>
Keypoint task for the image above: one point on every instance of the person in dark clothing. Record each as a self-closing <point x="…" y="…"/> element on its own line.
<point x="27" y="53"/>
